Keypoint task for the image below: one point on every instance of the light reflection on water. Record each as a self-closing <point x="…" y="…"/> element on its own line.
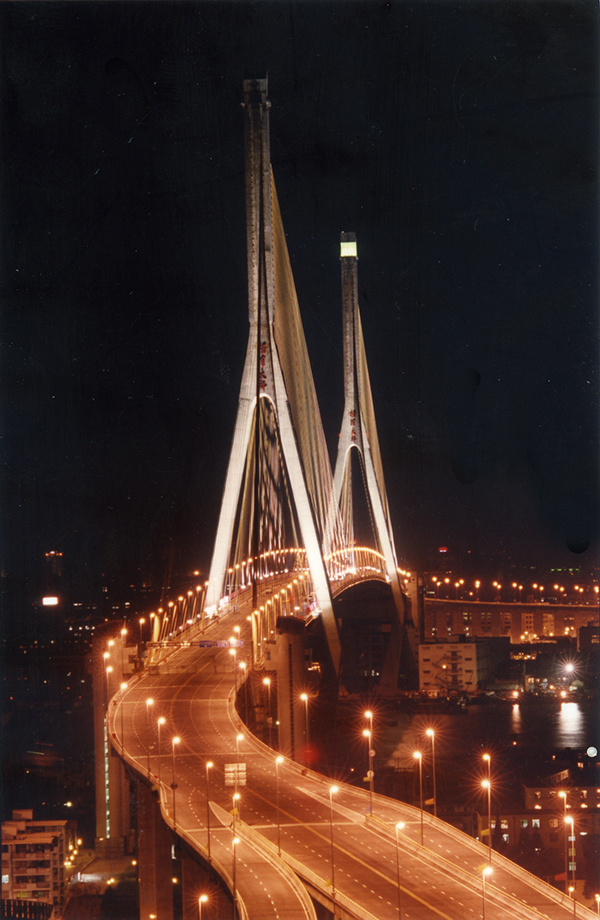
<point x="549" y="726"/>
<point x="516" y="726"/>
<point x="569" y="725"/>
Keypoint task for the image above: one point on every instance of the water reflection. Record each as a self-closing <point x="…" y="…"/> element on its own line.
<point x="569" y="725"/>
<point x="515" y="719"/>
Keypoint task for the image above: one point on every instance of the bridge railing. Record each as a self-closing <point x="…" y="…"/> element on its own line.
<point x="354" y="564"/>
<point x="284" y="585"/>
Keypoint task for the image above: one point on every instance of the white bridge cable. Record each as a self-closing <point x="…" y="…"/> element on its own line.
<point x="300" y="390"/>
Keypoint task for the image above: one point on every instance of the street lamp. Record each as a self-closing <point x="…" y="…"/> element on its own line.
<point x="370" y="773"/>
<point x="563" y="795"/>
<point x="431" y="734"/>
<point x="238" y="738"/>
<point x="570" y="820"/>
<point x="236" y="840"/>
<point x="399" y="827"/>
<point x="572" y="893"/>
<point x="278" y="760"/>
<point x="332" y="791"/>
<point x="487" y="785"/>
<point x="267" y="683"/>
<point x="142" y="621"/>
<point x="209" y="764"/>
<point x="109" y="671"/>
<point x="149" y="703"/>
<point x="201" y="900"/>
<point x="123" y="689"/>
<point x="488" y="760"/>
<point x="597" y="897"/>
<point x="175" y="742"/>
<point x="304" y="698"/>
<point x="418" y="756"/>
<point x="160" y="722"/>
<point x="487" y="870"/>
<point x="233" y="653"/>
<point x="236" y="808"/>
<point x="243" y="667"/>
<point x="123" y="634"/>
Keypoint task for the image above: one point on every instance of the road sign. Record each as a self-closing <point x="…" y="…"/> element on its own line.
<point x="235" y="774"/>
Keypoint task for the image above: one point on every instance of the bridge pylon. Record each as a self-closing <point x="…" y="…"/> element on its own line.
<point x="279" y="487"/>
<point x="358" y="435"/>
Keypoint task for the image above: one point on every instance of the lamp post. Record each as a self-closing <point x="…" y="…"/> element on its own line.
<point x="201" y="900"/>
<point x="159" y="723"/>
<point x="238" y="738"/>
<point x="236" y="808"/>
<point x="243" y="670"/>
<point x="142" y="621"/>
<point x="563" y="795"/>
<point x="109" y="671"/>
<point x="431" y="734"/>
<point x="278" y="760"/>
<point x="487" y="870"/>
<point x="236" y="840"/>
<point x="175" y="742"/>
<point x="332" y="791"/>
<point x="209" y="765"/>
<point x="399" y="827"/>
<point x="418" y="756"/>
<point x="304" y="698"/>
<point x="123" y="634"/>
<point x="233" y="653"/>
<point x="487" y="785"/>
<point x="149" y="703"/>
<point x="123" y="689"/>
<point x="487" y="758"/>
<point x="370" y="773"/>
<point x="570" y="822"/>
<point x="267" y="683"/>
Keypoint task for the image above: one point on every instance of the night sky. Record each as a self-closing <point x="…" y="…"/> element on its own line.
<point x="459" y="140"/>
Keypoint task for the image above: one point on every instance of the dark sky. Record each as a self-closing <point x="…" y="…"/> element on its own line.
<point x="459" y="140"/>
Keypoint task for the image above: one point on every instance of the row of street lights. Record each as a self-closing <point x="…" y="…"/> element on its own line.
<point x="175" y="740"/>
<point x="236" y="812"/>
<point x="418" y="755"/>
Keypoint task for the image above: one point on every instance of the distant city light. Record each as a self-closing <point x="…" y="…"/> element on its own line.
<point x="49" y="601"/>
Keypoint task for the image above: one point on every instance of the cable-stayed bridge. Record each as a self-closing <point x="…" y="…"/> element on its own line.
<point x="294" y="544"/>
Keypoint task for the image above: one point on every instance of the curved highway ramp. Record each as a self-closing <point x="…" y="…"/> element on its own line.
<point x="276" y="833"/>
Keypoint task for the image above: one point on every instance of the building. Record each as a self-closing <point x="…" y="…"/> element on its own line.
<point x="35" y="858"/>
<point x="521" y="622"/>
<point x="459" y="666"/>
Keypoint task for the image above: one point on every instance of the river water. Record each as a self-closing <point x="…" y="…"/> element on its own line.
<point x="527" y="741"/>
<point x="534" y="728"/>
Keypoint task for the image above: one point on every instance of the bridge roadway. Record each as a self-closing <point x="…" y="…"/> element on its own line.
<point x="192" y="688"/>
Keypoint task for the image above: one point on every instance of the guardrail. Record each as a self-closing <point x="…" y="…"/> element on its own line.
<point x="481" y="851"/>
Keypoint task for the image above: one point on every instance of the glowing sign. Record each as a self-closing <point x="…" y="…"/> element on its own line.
<point x="348" y="250"/>
<point x="49" y="601"/>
